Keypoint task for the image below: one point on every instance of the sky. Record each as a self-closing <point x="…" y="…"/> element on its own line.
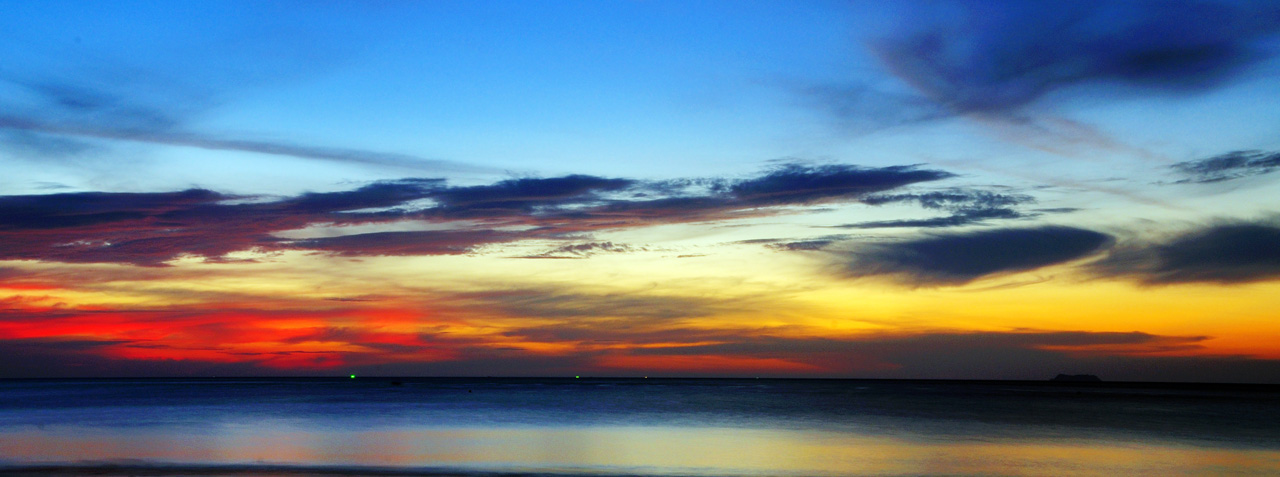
<point x="942" y="189"/>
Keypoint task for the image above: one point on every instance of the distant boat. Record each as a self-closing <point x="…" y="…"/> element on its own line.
<point x="1077" y="378"/>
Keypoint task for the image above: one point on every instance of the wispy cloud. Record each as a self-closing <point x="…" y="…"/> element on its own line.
<point x="1013" y="354"/>
<point x="428" y="242"/>
<point x="595" y="311"/>
<point x="1229" y="166"/>
<point x="215" y="142"/>
<point x="966" y="207"/>
<point x="999" y="56"/>
<point x="525" y="196"/>
<point x="797" y="184"/>
<point x="549" y="330"/>
<point x="485" y="332"/>
<point x="64" y="114"/>
<point x="153" y="228"/>
<point x="999" y="62"/>
<point x="859" y="108"/>
<point x="1237" y="252"/>
<point x="585" y="250"/>
<point x="958" y="258"/>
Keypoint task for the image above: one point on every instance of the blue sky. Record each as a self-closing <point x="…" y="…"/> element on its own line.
<point x="636" y="89"/>
<point x="530" y="87"/>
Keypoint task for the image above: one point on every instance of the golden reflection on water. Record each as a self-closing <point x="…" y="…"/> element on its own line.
<point x="643" y="449"/>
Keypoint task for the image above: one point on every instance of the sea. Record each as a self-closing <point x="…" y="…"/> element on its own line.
<point x="632" y="427"/>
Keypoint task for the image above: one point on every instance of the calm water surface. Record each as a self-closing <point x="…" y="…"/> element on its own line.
<point x="635" y="427"/>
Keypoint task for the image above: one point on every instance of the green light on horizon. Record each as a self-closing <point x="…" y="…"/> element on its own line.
<point x="353" y="376"/>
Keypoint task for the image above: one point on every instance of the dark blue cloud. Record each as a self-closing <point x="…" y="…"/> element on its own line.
<point x="966" y="207"/>
<point x="53" y="211"/>
<point x="1225" y="167"/>
<point x="372" y="196"/>
<point x="1227" y="253"/>
<point x="717" y="199"/>
<point x="523" y="196"/>
<point x="151" y="229"/>
<point x="953" y="259"/>
<point x="954" y="199"/>
<point x="803" y="245"/>
<point x="996" y="56"/>
<point x="798" y="184"/>
<point x="966" y="217"/>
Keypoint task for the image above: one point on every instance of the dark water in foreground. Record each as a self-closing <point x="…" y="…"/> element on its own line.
<point x="370" y="426"/>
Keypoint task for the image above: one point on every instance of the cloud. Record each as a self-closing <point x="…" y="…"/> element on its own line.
<point x="995" y="57"/>
<point x="615" y="334"/>
<point x="153" y="228"/>
<point x="904" y="345"/>
<point x="954" y="199"/>
<point x="426" y="329"/>
<point x="429" y="242"/>
<point x="794" y="245"/>
<point x="1225" y="253"/>
<point x="797" y="184"/>
<point x="543" y="303"/>
<point x="968" y="217"/>
<point x="707" y="200"/>
<point x="1035" y="355"/>
<point x="585" y="250"/>
<point x="109" y="227"/>
<point x="860" y="108"/>
<point x="624" y="333"/>
<point x="381" y="194"/>
<point x="997" y="63"/>
<point x="33" y="144"/>
<point x="47" y="357"/>
<point x="65" y="114"/>
<point x="803" y="245"/>
<point x="213" y="142"/>
<point x="958" y="258"/>
<point x="1229" y="166"/>
<point x="1130" y="356"/>
<point x="59" y="357"/>
<point x="224" y="332"/>
<point x="525" y="196"/>
<point x="56" y="211"/>
<point x="966" y="207"/>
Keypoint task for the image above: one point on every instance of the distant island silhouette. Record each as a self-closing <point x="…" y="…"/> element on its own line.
<point x="1077" y="378"/>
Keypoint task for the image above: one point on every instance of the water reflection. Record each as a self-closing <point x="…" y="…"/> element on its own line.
<point x="635" y="449"/>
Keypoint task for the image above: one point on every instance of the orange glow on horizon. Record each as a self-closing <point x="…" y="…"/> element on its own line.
<point x="313" y="332"/>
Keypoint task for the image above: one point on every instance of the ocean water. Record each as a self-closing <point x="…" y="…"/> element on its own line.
<point x="705" y="427"/>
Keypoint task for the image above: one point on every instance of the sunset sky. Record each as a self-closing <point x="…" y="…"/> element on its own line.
<point x="995" y="190"/>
